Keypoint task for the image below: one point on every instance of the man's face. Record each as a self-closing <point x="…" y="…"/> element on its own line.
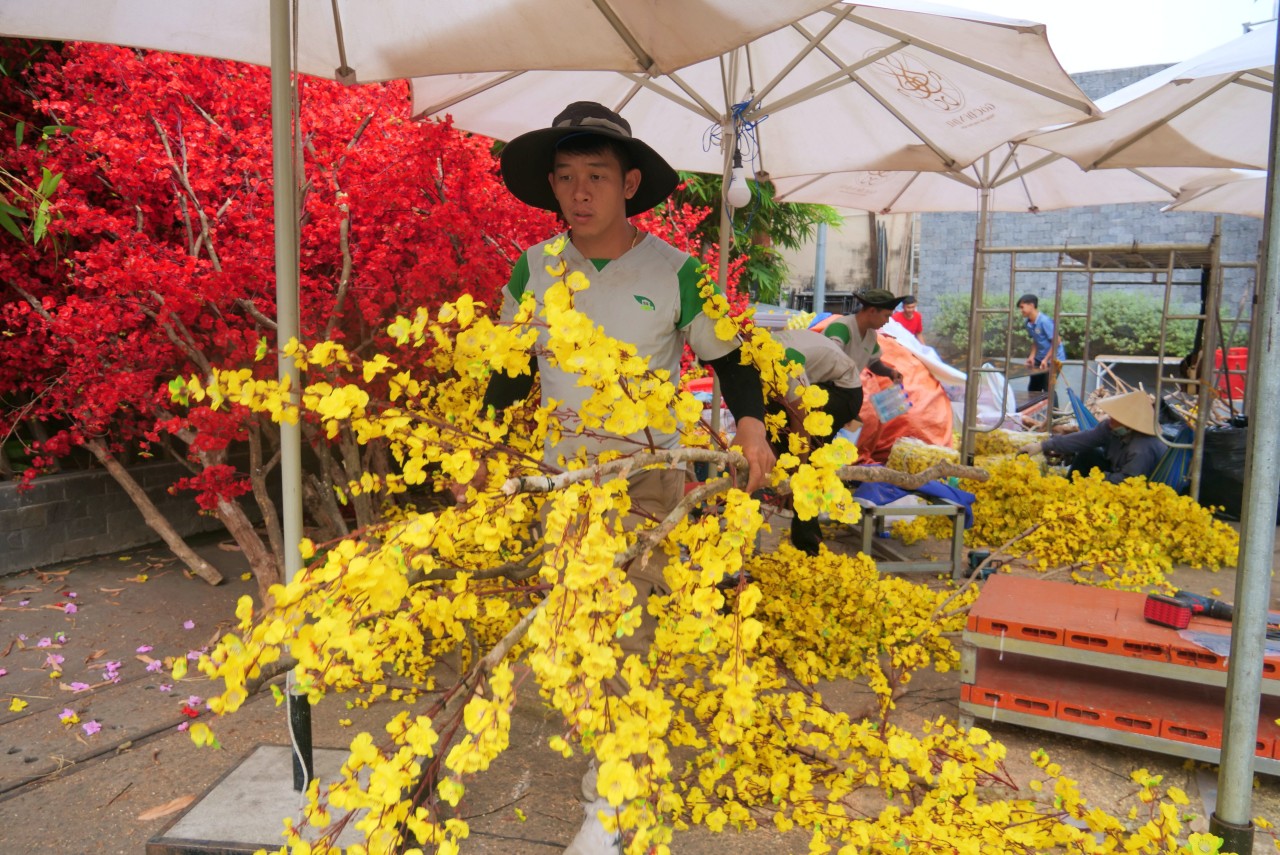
<point x="876" y="318"/>
<point x="592" y="191"/>
<point x="908" y="309"/>
<point x="1028" y="310"/>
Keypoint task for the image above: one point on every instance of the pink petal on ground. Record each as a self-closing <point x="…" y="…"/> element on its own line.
<point x="146" y="648"/>
<point x="91" y="727"/>
<point x="189" y="624"/>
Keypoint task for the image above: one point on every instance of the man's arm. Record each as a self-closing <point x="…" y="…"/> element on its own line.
<point x="880" y="368"/>
<point x="1073" y="443"/>
<point x="744" y="395"/>
<point x="504" y="390"/>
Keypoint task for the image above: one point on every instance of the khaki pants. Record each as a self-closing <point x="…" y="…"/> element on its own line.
<point x="654" y="494"/>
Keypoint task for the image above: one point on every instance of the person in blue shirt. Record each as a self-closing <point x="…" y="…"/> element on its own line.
<point x="1042" y="331"/>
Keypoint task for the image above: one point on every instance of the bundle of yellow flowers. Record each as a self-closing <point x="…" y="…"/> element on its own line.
<point x="913" y="455"/>
<point x="1121" y="535"/>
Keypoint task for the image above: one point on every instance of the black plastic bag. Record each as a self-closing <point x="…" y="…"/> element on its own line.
<point x="1222" y="474"/>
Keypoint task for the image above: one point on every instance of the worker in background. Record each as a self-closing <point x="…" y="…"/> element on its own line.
<point x="910" y="318"/>
<point x="828" y="366"/>
<point x="857" y="332"/>
<point x="1126" y="444"/>
<point x="1043" y="333"/>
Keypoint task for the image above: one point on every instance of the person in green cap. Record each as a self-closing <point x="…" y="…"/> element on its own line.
<point x="857" y="332"/>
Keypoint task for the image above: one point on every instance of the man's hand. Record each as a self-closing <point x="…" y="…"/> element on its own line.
<point x="1031" y="448"/>
<point x="753" y="439"/>
<point x="1031" y="360"/>
<point x="895" y="375"/>
<point x="459" y="491"/>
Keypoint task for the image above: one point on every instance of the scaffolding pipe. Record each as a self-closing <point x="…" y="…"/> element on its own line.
<point x="973" y="367"/>
<point x="1208" y="344"/>
<point x="1231" y="820"/>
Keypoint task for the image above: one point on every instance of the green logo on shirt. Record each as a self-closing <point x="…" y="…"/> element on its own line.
<point x="645" y="303"/>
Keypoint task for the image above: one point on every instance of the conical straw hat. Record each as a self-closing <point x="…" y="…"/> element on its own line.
<point x="1133" y="410"/>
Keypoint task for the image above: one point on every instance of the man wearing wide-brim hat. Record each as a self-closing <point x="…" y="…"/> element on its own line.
<point x="1126" y="444"/>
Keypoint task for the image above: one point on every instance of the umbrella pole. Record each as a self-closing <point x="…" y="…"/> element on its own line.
<point x="976" y="319"/>
<point x="286" y="226"/>
<point x="1231" y="818"/>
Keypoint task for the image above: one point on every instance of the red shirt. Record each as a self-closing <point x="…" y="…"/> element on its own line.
<point x="914" y="324"/>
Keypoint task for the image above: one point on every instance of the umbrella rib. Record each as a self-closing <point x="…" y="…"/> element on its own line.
<point x="1147" y="178"/>
<point x="1261" y="86"/>
<point x="813" y="179"/>
<point x="647" y="63"/>
<point x="844" y="75"/>
<point x="1022" y="171"/>
<point x="696" y="104"/>
<point x="1085" y="106"/>
<point x="469" y="93"/>
<point x="1139" y="134"/>
<point x="800" y="56"/>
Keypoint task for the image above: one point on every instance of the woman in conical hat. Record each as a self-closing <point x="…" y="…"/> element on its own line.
<point x="1126" y="444"/>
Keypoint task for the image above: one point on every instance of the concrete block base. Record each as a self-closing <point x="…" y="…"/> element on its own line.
<point x="244" y="812"/>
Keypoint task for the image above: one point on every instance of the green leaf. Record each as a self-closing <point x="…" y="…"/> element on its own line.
<point x="49" y="182"/>
<point x="18" y="133"/>
<point x="41" y="225"/>
<point x="260" y="352"/>
<point x="11" y="210"/>
<point x="10" y="226"/>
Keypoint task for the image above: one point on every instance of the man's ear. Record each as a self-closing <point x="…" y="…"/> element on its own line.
<point x="631" y="182"/>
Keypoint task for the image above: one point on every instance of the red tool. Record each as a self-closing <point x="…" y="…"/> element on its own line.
<point x="1176" y="612"/>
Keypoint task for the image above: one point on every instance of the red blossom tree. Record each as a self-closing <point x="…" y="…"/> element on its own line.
<point x="159" y="262"/>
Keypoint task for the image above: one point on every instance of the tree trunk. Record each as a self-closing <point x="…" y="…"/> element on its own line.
<point x="154" y="519"/>
<point x="261" y="561"/>
<point x="258" y="478"/>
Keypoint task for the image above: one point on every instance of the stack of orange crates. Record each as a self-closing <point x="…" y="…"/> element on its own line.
<point x="1048" y="651"/>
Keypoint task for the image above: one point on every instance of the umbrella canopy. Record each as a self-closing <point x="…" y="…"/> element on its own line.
<point x="1212" y="110"/>
<point x="1020" y="178"/>
<point x="370" y="40"/>
<point x="1224" y="191"/>
<point x="881" y="85"/>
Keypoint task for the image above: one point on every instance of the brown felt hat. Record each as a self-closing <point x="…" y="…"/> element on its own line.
<point x="1133" y="410"/>
<point x="528" y="159"/>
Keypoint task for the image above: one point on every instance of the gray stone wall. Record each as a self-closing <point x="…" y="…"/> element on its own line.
<point x="946" y="240"/>
<point x="78" y="514"/>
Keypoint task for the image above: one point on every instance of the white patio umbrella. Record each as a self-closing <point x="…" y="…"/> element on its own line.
<point x="890" y="84"/>
<point x="370" y="40"/>
<point x="383" y="39"/>
<point x="1224" y="191"/>
<point x="1211" y="110"/>
<point x="1020" y="177"/>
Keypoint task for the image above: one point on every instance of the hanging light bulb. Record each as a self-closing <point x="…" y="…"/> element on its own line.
<point x="737" y="194"/>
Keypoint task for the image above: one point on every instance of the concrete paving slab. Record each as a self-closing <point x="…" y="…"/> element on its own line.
<point x="245" y="810"/>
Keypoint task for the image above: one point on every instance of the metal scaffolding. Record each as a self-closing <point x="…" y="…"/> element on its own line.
<point x="1172" y="268"/>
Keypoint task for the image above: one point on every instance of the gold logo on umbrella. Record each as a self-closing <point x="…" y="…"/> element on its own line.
<point x="917" y="82"/>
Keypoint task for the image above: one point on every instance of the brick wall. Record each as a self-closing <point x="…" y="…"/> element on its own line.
<point x="78" y="514"/>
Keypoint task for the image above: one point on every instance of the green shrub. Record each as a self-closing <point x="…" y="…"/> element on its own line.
<point x="1122" y="323"/>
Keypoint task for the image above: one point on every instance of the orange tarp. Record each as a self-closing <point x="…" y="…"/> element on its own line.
<point x="929" y="418"/>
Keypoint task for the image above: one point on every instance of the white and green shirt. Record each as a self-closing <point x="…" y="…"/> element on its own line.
<point x="862" y="349"/>
<point x="649" y="297"/>
<point x="823" y="358"/>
